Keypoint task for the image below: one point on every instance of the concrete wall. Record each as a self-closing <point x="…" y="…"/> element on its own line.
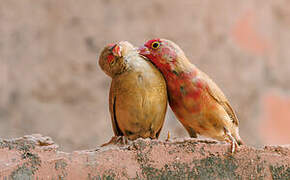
<point x="50" y="84"/>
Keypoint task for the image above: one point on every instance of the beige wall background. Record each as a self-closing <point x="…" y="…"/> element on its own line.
<point x="50" y="82"/>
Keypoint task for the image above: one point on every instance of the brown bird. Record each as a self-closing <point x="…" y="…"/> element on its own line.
<point x="196" y="100"/>
<point x="138" y="95"/>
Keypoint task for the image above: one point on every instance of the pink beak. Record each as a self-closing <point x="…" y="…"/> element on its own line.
<point x="143" y="50"/>
<point x="116" y="50"/>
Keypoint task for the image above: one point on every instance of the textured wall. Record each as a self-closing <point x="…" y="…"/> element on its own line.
<point x="37" y="157"/>
<point x="50" y="84"/>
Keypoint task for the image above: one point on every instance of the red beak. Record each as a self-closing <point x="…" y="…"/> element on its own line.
<point x="143" y="50"/>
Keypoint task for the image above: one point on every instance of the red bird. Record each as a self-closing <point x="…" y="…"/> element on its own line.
<point x="196" y="100"/>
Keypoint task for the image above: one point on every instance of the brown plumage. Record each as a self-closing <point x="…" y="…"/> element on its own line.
<point x="138" y="96"/>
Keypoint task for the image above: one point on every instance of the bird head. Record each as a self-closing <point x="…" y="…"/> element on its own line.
<point x="165" y="55"/>
<point x="112" y="58"/>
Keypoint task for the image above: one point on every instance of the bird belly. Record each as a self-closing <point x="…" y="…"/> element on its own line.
<point x="202" y="116"/>
<point x="140" y="105"/>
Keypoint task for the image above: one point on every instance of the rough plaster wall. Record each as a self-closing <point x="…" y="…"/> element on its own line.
<point x="37" y="157"/>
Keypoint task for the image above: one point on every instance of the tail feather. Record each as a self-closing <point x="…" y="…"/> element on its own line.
<point x="240" y="142"/>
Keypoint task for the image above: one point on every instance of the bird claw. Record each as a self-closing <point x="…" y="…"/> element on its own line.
<point x="117" y="140"/>
<point x="234" y="146"/>
<point x="231" y="139"/>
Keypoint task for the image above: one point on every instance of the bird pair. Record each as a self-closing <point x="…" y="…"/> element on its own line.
<point x="142" y="81"/>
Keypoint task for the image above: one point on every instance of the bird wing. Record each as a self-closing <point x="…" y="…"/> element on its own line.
<point x="112" y="106"/>
<point x="215" y="92"/>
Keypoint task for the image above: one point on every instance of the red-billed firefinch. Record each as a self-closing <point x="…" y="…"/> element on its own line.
<point x="195" y="99"/>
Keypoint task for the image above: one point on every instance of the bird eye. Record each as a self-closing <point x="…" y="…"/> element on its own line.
<point x="155" y="45"/>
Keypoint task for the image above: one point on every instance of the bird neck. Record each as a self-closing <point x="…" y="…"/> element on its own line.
<point x="120" y="67"/>
<point x="179" y="69"/>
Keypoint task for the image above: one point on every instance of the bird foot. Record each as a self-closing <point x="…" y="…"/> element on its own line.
<point x="234" y="146"/>
<point x="117" y="140"/>
<point x="231" y="139"/>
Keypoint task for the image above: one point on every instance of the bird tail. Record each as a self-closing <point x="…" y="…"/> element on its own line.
<point x="238" y="139"/>
<point x="240" y="142"/>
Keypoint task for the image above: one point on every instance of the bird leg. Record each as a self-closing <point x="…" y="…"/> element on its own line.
<point x="123" y="140"/>
<point x="232" y="140"/>
<point x="168" y="136"/>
